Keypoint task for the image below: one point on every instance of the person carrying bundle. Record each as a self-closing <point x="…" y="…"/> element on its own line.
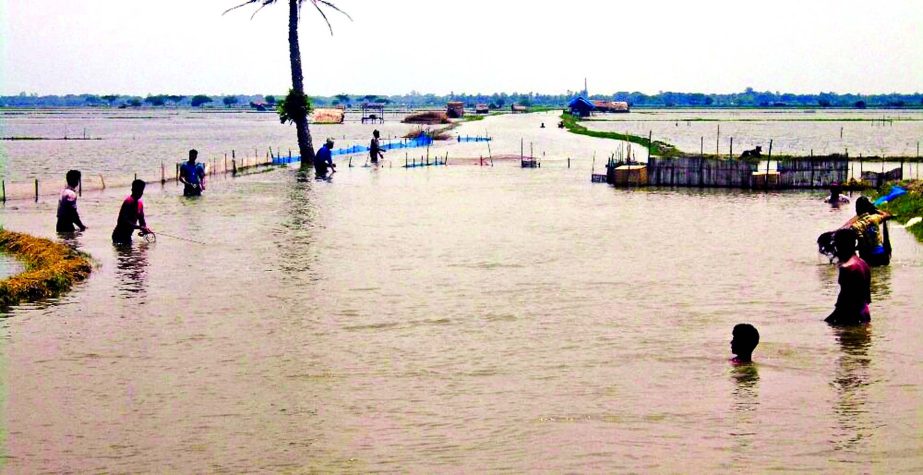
<point x="871" y="227"/>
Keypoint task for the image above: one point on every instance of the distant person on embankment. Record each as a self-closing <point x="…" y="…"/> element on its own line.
<point x="67" y="205"/>
<point x="855" y="279"/>
<point x="323" y="160"/>
<point x="131" y="216"/>
<point x="871" y="227"/>
<point x="744" y="341"/>
<point x="192" y="176"/>
<point x="375" y="150"/>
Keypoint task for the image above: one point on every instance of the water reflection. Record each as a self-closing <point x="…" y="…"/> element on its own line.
<point x="131" y="270"/>
<point x="850" y="380"/>
<point x="296" y="238"/>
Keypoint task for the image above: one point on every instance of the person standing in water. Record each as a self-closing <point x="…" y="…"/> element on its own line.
<point x="67" y="205"/>
<point x="855" y="279"/>
<point x="871" y="227"/>
<point x="375" y="150"/>
<point x="131" y="216"/>
<point x="192" y="175"/>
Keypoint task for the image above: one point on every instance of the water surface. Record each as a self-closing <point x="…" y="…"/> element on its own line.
<point x="461" y="319"/>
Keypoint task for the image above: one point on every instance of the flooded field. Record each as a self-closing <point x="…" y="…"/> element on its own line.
<point x="549" y="324"/>
<point x="794" y="132"/>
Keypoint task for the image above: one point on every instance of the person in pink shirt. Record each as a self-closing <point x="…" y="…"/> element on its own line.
<point x="855" y="279"/>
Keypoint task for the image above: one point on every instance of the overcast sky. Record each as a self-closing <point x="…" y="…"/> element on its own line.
<point x="398" y="46"/>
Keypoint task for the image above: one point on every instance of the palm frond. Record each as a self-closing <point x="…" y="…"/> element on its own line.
<point x="335" y="8"/>
<point x="324" y="15"/>
<point x="317" y="5"/>
<point x="250" y="2"/>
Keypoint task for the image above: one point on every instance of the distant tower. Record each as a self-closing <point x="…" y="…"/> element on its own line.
<point x="586" y="91"/>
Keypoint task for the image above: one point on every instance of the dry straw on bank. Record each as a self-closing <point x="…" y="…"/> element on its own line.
<point x="51" y="268"/>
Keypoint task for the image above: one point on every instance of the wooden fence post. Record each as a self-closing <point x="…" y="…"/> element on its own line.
<point x="234" y="166"/>
<point x="36" y="190"/>
<point x="163" y="173"/>
<point x="3" y="185"/>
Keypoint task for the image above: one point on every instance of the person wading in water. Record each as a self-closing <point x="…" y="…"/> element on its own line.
<point x="192" y="176"/>
<point x="131" y="216"/>
<point x="67" y="205"/>
<point x="855" y="279"/>
<point x="375" y="150"/>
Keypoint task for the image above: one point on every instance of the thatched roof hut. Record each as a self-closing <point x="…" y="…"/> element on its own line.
<point x="455" y="110"/>
<point x="328" y="116"/>
<point x="515" y="108"/>
<point x="427" y="117"/>
<point x="611" y="106"/>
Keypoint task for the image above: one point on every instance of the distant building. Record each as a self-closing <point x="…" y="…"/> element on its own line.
<point x="481" y="109"/>
<point x="581" y="107"/>
<point x="610" y="106"/>
<point x="517" y="109"/>
<point x="455" y="110"/>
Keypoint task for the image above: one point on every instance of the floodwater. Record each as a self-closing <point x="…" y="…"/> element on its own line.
<point x="447" y="319"/>
<point x="460" y="319"/>
<point x="867" y="133"/>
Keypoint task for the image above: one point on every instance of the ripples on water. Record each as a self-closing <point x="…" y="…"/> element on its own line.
<point x="462" y="319"/>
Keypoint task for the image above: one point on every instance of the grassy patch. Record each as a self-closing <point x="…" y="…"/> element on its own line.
<point x="658" y="148"/>
<point x="51" y="268"/>
<point x="905" y="207"/>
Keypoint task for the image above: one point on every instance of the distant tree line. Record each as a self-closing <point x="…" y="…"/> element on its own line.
<point x="747" y="98"/>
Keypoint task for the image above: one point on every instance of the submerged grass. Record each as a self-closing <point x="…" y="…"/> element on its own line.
<point x="51" y="268"/>
<point x="906" y="207"/>
<point x="661" y="149"/>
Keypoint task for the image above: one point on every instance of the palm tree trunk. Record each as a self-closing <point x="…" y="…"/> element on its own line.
<point x="305" y="145"/>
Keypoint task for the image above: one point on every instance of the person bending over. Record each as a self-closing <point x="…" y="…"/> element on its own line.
<point x="67" y="205"/>
<point x="323" y="160"/>
<point x="131" y="216"/>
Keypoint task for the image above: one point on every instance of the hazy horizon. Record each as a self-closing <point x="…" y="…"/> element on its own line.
<point x="172" y="47"/>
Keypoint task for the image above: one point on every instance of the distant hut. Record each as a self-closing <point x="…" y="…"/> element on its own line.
<point x="455" y="110"/>
<point x="611" y="106"/>
<point x="518" y="109"/>
<point x="328" y="116"/>
<point x="581" y="107"/>
<point x="373" y="112"/>
<point x="481" y="109"/>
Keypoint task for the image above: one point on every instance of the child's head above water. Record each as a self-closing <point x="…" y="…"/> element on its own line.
<point x="745" y="339"/>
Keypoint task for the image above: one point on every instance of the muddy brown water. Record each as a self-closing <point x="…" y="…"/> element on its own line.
<point x="460" y="319"/>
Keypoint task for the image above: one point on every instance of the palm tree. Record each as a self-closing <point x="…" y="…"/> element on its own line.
<point x="296" y="103"/>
